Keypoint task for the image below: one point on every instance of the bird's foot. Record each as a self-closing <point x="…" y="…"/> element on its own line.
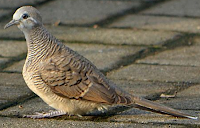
<point x="46" y="115"/>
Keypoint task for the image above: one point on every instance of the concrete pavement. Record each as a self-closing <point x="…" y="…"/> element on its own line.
<point x="148" y="47"/>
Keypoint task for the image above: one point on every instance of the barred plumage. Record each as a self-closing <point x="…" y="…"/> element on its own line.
<point x="66" y="80"/>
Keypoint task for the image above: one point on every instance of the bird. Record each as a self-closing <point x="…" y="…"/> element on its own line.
<point x="67" y="81"/>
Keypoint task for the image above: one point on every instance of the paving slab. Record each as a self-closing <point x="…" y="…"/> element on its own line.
<point x="83" y="12"/>
<point x="51" y="123"/>
<point x="145" y="89"/>
<point x="3" y="61"/>
<point x="100" y="35"/>
<point x="12" y="88"/>
<point x="185" y="56"/>
<point x="11" y="92"/>
<point x="176" y="7"/>
<point x="16" y="67"/>
<point x="157" y="73"/>
<point x="12" y="48"/>
<point x="28" y="107"/>
<point x="141" y="79"/>
<point x="197" y="41"/>
<point x="17" y="3"/>
<point x="11" y="79"/>
<point x="156" y="118"/>
<point x="114" y="36"/>
<point x="10" y="33"/>
<point x="159" y="23"/>
<point x="191" y="99"/>
<point x="4" y="12"/>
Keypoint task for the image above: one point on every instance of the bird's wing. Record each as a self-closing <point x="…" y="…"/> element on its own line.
<point x="76" y="78"/>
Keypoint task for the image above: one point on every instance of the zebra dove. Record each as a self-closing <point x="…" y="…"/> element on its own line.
<point x="66" y="80"/>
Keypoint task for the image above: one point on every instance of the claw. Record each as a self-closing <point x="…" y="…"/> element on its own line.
<point x="45" y="115"/>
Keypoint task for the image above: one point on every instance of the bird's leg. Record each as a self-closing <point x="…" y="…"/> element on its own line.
<point x="46" y="115"/>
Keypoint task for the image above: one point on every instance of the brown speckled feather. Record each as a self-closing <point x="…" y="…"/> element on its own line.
<point x="75" y="77"/>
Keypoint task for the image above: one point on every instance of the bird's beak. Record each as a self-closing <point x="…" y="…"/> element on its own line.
<point x="11" y="23"/>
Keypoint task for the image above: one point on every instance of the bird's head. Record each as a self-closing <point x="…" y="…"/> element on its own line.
<point x="25" y="18"/>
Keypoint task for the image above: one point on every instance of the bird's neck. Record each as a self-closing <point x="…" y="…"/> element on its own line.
<point x="41" y="44"/>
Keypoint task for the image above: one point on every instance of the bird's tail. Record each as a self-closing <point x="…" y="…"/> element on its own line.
<point x="160" y="108"/>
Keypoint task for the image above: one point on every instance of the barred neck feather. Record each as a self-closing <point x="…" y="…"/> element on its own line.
<point x="41" y="44"/>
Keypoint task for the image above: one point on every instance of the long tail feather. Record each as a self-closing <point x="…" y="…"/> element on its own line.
<point x="160" y="108"/>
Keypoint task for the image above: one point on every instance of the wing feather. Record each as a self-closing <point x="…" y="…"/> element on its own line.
<point x="77" y="78"/>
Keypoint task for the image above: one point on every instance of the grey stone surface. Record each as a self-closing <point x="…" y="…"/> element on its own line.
<point x="18" y="3"/>
<point x="192" y="91"/>
<point x="4" y="12"/>
<point x="186" y="103"/>
<point x="13" y="92"/>
<point x="176" y="7"/>
<point x="30" y="107"/>
<point x="82" y="12"/>
<point x="197" y="41"/>
<point x="191" y="99"/>
<point x="12" y="48"/>
<point x="113" y="36"/>
<point x="155" y="118"/>
<point x="11" y="79"/>
<point x="157" y="73"/>
<point x="144" y="89"/>
<point x="187" y="56"/>
<point x="16" y="67"/>
<point x="159" y="23"/>
<point x="51" y="123"/>
<point x="10" y="33"/>
<point x="142" y="27"/>
<point x="3" y="60"/>
<point x="100" y="35"/>
<point x="12" y="88"/>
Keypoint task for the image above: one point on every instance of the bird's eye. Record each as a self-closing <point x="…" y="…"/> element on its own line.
<point x="25" y="16"/>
